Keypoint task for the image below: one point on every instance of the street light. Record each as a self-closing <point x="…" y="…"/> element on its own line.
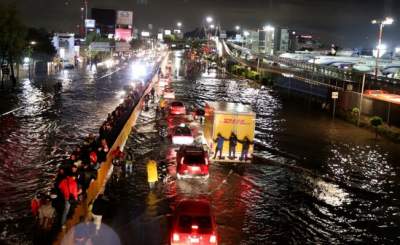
<point x="381" y="23"/>
<point x="30" y="48"/>
<point x="179" y="24"/>
<point x="237" y="28"/>
<point x="268" y="28"/>
<point x="212" y="26"/>
<point x="209" y="19"/>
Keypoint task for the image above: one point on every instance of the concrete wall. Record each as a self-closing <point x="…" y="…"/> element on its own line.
<point x="389" y="112"/>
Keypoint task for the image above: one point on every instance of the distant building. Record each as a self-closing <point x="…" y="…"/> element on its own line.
<point x="281" y="41"/>
<point x="306" y="42"/>
<point x="64" y="43"/>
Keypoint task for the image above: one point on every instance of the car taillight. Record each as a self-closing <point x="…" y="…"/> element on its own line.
<point x="213" y="239"/>
<point x="206" y="160"/>
<point x="175" y="237"/>
<point x="183" y="158"/>
<point x="195" y="227"/>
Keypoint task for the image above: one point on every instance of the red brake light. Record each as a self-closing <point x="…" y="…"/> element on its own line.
<point x="195" y="227"/>
<point x="213" y="239"/>
<point x="183" y="158"/>
<point x="175" y="237"/>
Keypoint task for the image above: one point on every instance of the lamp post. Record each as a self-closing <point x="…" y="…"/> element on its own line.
<point x="31" y="44"/>
<point x="381" y="23"/>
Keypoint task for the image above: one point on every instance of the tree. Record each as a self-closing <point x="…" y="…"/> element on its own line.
<point x="12" y="38"/>
<point x="169" y="38"/>
<point x="43" y="49"/>
<point x="375" y="123"/>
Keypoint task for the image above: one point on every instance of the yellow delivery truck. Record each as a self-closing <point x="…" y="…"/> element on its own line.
<point x="224" y="118"/>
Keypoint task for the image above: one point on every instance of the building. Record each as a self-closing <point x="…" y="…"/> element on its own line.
<point x="123" y="30"/>
<point x="64" y="43"/>
<point x="281" y="44"/>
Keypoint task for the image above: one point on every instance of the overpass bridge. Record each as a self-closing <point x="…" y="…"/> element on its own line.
<point x="323" y="75"/>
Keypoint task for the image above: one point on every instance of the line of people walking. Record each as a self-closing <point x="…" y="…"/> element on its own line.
<point x="76" y="173"/>
<point x="233" y="141"/>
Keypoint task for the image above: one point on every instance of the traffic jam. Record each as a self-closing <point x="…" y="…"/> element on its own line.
<point x="218" y="133"/>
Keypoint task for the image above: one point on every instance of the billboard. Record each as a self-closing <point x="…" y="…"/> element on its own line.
<point x="123" y="34"/>
<point x="124" y="18"/>
<point x="89" y="23"/>
<point x="100" y="46"/>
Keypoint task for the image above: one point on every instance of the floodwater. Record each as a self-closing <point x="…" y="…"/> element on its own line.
<point x="45" y="127"/>
<point x="314" y="180"/>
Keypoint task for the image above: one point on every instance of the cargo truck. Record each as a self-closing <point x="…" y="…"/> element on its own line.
<point x="224" y="118"/>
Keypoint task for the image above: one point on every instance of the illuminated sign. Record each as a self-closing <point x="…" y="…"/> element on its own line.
<point x="167" y="32"/>
<point x="123" y="34"/>
<point x="124" y="17"/>
<point x="145" y="34"/>
<point x="89" y="23"/>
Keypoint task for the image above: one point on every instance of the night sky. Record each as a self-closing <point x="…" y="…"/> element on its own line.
<point x="346" y="22"/>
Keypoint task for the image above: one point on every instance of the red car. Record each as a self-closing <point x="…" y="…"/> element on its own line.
<point x="193" y="223"/>
<point x="192" y="161"/>
<point x="177" y="108"/>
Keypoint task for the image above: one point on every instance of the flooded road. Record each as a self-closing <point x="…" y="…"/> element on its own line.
<point x="314" y="180"/>
<point x="47" y="125"/>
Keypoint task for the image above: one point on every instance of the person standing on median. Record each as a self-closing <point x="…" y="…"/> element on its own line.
<point x="245" y="148"/>
<point x="220" y="145"/>
<point x="232" y="145"/>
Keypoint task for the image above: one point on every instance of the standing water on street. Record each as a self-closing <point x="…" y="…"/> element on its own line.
<point x="312" y="179"/>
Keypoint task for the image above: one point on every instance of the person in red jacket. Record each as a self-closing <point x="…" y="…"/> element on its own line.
<point x="70" y="191"/>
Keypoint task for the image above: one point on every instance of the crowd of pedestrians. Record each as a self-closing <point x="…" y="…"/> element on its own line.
<point x="76" y="173"/>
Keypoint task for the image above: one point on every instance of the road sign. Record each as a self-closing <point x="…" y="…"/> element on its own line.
<point x="100" y="46"/>
<point x="90" y="23"/>
<point x="335" y="95"/>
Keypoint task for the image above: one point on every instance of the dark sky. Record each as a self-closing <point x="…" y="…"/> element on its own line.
<point x="346" y="22"/>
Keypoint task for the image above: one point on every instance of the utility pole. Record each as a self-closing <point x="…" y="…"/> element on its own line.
<point x="86" y="15"/>
<point x="361" y="99"/>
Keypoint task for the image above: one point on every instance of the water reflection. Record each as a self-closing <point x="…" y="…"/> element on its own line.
<point x="317" y="181"/>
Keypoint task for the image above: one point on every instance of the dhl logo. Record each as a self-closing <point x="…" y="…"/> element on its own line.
<point x="235" y="121"/>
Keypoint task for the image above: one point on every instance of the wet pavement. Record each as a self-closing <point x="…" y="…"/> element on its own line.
<point x="47" y="124"/>
<point x="314" y="180"/>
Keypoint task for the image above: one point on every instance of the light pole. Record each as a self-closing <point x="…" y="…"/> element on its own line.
<point x="31" y="44"/>
<point x="209" y="20"/>
<point x="381" y="23"/>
